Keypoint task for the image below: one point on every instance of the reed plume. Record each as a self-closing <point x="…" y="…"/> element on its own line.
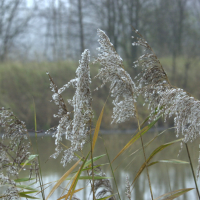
<point x="152" y="83"/>
<point x="14" y="151"/>
<point x="165" y="99"/>
<point x="122" y="88"/>
<point x="75" y="129"/>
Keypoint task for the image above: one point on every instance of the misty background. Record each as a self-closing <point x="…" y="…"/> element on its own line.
<point x="49" y="35"/>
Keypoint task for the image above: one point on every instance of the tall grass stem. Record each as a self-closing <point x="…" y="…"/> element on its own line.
<point x="40" y="173"/>
<point x="92" y="184"/>
<point x="195" y="181"/>
<point x="112" y="170"/>
<point x="144" y="153"/>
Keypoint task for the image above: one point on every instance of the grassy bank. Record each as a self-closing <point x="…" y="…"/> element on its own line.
<point x="21" y="83"/>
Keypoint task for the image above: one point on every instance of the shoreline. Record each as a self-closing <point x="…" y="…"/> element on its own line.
<point x="104" y="131"/>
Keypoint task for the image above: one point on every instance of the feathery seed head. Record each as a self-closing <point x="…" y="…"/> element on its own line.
<point x="75" y="129"/>
<point x="164" y="98"/>
<point x="122" y="87"/>
<point x="14" y="150"/>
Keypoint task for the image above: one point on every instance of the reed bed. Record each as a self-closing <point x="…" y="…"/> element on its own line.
<point x="76" y="125"/>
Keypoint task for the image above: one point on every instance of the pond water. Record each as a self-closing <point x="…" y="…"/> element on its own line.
<point x="165" y="177"/>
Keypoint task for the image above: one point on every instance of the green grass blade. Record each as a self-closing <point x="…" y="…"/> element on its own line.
<point x="26" y="187"/>
<point x="31" y="157"/>
<point x="40" y="170"/>
<point x="28" y="192"/>
<point x="160" y="148"/>
<point x="173" y="161"/>
<point x="27" y="196"/>
<point x="94" y="159"/>
<point x="23" y="180"/>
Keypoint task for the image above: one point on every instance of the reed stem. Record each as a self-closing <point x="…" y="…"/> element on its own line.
<point x="146" y="167"/>
<point x="92" y="184"/>
<point x="144" y="153"/>
<point x="195" y="181"/>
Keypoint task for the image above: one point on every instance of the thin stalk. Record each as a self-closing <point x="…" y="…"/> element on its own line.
<point x="40" y="171"/>
<point x="144" y="154"/>
<point x="146" y="167"/>
<point x="92" y="163"/>
<point x="169" y="179"/>
<point x="195" y="181"/>
<point x="5" y="149"/>
<point x="112" y="169"/>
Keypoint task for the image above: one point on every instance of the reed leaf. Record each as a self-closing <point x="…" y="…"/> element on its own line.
<point x="63" y="178"/>
<point x="94" y="159"/>
<point x="27" y="196"/>
<point x="96" y="132"/>
<point x="38" y="157"/>
<point x="31" y="157"/>
<point x="26" y="187"/>
<point x="75" y="191"/>
<point x="73" y="185"/>
<point x="28" y="192"/>
<point x="173" y="161"/>
<point x="66" y="194"/>
<point x="147" y="144"/>
<point x="136" y="137"/>
<point x="96" y="166"/>
<point x="174" y="194"/>
<point x="157" y="150"/>
<point x="23" y="180"/>
<point x="106" y="197"/>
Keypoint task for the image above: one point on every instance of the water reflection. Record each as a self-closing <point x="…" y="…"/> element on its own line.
<point x="164" y="177"/>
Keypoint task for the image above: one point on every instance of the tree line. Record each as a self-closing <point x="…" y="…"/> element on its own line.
<point x="59" y="29"/>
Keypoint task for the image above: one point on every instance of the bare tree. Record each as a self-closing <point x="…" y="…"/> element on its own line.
<point x="177" y="32"/>
<point x="80" y="16"/>
<point x="14" y="22"/>
<point x="54" y="19"/>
